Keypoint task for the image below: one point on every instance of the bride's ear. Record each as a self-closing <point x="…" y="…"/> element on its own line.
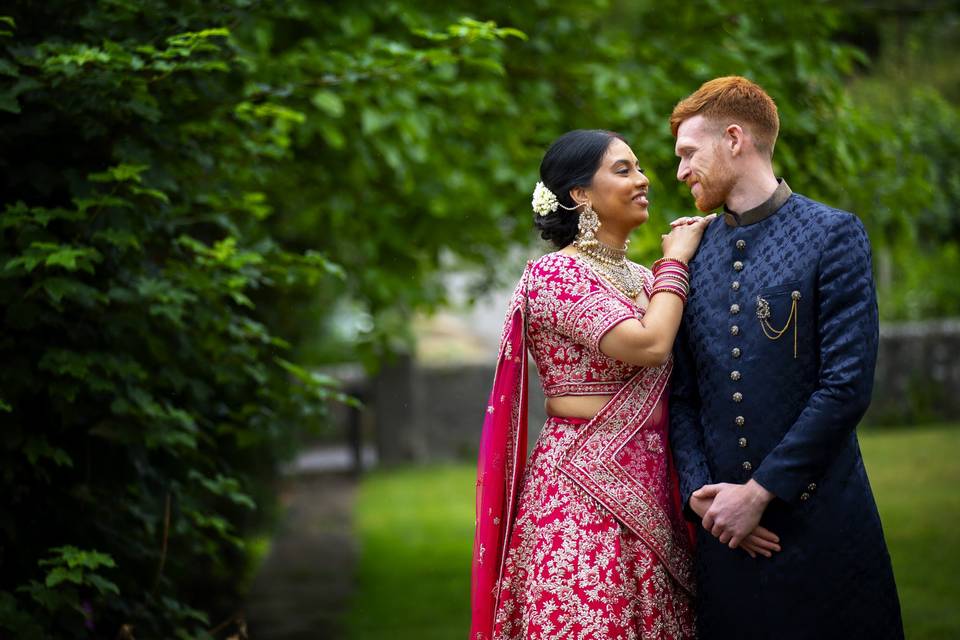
<point x="579" y="195"/>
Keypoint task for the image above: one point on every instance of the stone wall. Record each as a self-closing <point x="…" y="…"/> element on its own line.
<point x="436" y="413"/>
<point x="918" y="373"/>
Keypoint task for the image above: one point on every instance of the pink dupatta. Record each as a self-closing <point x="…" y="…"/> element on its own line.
<point x="621" y="457"/>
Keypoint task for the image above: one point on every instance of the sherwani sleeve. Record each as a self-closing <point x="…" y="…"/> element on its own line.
<point x="848" y="329"/>
<point x="686" y="430"/>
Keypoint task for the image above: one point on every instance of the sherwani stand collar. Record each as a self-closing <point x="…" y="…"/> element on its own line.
<point x="762" y="211"/>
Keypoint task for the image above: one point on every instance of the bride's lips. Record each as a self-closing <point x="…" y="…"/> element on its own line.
<point x="641" y="199"/>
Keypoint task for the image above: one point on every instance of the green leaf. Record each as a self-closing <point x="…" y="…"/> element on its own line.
<point x="58" y="575"/>
<point x="120" y="173"/>
<point x="103" y="585"/>
<point x="328" y="102"/>
<point x="36" y="448"/>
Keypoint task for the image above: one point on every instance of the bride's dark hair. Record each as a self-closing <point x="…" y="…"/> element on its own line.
<point x="570" y="162"/>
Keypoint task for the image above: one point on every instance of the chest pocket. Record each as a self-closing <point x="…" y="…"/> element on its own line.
<point x="777" y="314"/>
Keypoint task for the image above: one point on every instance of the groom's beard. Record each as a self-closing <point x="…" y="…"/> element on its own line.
<point x="715" y="188"/>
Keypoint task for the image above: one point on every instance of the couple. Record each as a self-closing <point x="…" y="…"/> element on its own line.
<point x="698" y="475"/>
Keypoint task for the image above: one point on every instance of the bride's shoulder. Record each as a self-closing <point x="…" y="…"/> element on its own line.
<point x="553" y="261"/>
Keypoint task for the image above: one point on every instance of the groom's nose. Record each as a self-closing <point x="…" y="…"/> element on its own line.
<point x="683" y="171"/>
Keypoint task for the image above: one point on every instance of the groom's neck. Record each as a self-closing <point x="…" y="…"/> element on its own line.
<point x="754" y="187"/>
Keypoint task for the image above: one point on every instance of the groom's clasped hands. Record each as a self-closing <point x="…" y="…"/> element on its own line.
<point x="731" y="513"/>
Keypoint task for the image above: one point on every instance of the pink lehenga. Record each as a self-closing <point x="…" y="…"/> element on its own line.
<point x="587" y="541"/>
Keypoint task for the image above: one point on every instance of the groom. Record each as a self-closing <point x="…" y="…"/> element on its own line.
<point x="773" y="369"/>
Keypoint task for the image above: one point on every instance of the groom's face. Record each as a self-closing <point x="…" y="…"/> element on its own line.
<point x="703" y="165"/>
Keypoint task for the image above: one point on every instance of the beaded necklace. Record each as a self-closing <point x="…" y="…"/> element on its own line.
<point x="612" y="264"/>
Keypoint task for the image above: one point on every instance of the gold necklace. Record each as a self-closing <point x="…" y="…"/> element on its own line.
<point x="612" y="264"/>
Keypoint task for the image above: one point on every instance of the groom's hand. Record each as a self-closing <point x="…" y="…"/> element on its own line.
<point x="761" y="540"/>
<point x="735" y="511"/>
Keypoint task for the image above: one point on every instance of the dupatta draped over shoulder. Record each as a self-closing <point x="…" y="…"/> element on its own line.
<point x="620" y="458"/>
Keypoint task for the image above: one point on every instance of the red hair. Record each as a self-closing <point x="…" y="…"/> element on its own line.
<point x="732" y="100"/>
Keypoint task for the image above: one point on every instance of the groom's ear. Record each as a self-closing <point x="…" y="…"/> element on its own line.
<point x="735" y="138"/>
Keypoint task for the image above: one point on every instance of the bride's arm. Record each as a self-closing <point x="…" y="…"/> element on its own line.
<point x="648" y="342"/>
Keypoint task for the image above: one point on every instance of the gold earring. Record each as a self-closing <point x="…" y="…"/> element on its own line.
<point x="587" y="226"/>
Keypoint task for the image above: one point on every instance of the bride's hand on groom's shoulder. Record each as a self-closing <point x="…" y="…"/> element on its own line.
<point x="684" y="237"/>
<point x="687" y="220"/>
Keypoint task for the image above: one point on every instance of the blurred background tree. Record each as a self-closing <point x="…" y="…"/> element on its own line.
<point x="204" y="201"/>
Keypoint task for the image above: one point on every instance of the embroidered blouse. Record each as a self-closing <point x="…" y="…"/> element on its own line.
<point x="571" y="308"/>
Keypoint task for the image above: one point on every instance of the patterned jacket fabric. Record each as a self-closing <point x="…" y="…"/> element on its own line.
<point x="774" y="367"/>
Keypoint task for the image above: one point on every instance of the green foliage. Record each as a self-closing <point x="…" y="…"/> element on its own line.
<point x="146" y="403"/>
<point x="906" y="113"/>
<point x="201" y="201"/>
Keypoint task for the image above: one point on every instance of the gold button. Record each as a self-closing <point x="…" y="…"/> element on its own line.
<point x="747" y="466"/>
<point x="737" y="397"/>
<point x="795" y="295"/>
<point x="735" y="352"/>
<point x="804" y="496"/>
<point x="734" y="309"/>
<point x="740" y="420"/>
<point x="734" y="375"/>
<point x="742" y="442"/>
<point x="738" y="266"/>
<point x="741" y="244"/>
<point x="812" y="486"/>
<point x="735" y="285"/>
<point x="734" y="330"/>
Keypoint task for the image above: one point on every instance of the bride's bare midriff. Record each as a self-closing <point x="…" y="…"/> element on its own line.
<point x="576" y="406"/>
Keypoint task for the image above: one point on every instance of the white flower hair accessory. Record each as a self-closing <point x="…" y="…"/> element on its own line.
<point x="544" y="202"/>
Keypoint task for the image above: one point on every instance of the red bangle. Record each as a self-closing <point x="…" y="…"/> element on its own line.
<point x="677" y="292"/>
<point x="669" y="261"/>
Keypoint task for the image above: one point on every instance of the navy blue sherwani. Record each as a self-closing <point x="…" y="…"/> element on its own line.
<point x="774" y="368"/>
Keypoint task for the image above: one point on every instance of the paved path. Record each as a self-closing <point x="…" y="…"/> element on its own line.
<point x="307" y="578"/>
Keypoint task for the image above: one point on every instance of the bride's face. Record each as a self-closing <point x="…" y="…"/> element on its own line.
<point x="619" y="190"/>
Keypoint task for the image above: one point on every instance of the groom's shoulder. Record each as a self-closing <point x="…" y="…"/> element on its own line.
<point x="820" y="216"/>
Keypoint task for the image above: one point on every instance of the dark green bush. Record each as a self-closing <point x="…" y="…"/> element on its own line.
<point x="144" y="403"/>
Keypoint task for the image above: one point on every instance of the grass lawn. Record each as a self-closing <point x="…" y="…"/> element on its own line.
<point x="915" y="475"/>
<point x="416" y="533"/>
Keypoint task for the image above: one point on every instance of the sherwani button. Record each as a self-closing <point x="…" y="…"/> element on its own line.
<point x="812" y="486"/>
<point x="734" y="330"/>
<point x="734" y="309"/>
<point x="735" y="352"/>
<point x="740" y="420"/>
<point x="804" y="496"/>
<point x="747" y="466"/>
<point x="795" y="295"/>
<point x="741" y="244"/>
<point x="742" y="442"/>
<point x="738" y="266"/>
<point x="737" y="397"/>
<point x="735" y="285"/>
<point x="734" y="375"/>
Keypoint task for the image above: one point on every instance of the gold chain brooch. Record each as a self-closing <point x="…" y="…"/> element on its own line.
<point x="763" y="313"/>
